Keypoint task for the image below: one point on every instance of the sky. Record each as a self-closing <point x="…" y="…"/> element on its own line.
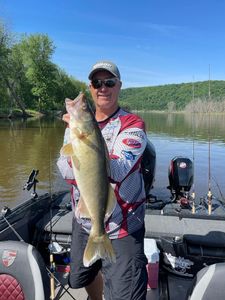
<point x="153" y="42"/>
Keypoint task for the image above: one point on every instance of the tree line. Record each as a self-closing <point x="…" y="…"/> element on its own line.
<point x="28" y="77"/>
<point x="201" y="96"/>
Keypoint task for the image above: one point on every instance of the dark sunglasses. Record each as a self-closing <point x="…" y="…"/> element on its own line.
<point x="97" y="83"/>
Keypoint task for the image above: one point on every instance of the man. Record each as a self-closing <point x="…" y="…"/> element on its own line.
<point x="125" y="137"/>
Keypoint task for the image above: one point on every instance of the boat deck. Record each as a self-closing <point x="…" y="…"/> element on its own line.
<point x="63" y="291"/>
<point x="49" y="219"/>
<point x="157" y="225"/>
<point x="176" y="285"/>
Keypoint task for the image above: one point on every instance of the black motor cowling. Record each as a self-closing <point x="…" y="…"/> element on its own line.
<point x="148" y="166"/>
<point x="181" y="175"/>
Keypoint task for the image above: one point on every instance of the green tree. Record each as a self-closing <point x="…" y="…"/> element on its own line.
<point x="11" y="69"/>
<point x="37" y="51"/>
<point x="28" y="78"/>
<point x="66" y="87"/>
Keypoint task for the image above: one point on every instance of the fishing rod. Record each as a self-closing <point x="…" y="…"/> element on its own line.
<point x="209" y="194"/>
<point x="61" y="285"/>
<point x="51" y="257"/>
<point x="3" y="213"/>
<point x="52" y="268"/>
<point x="193" y="189"/>
<point x="193" y="148"/>
<point x="219" y="189"/>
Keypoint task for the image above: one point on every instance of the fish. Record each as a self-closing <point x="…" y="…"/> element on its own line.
<point x="90" y="163"/>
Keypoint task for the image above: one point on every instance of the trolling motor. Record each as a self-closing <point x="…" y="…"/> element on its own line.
<point x="181" y="175"/>
<point x="32" y="182"/>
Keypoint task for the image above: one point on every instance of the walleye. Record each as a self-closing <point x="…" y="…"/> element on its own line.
<point x="89" y="156"/>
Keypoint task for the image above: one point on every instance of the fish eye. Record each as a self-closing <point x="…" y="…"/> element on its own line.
<point x="84" y="106"/>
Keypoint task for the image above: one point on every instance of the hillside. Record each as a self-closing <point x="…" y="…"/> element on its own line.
<point x="177" y="95"/>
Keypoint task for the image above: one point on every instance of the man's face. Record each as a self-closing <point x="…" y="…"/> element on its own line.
<point x="105" y="97"/>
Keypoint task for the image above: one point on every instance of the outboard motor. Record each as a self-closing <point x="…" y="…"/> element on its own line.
<point x="148" y="166"/>
<point x="181" y="176"/>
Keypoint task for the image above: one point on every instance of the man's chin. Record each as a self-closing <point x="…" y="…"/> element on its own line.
<point x="104" y="98"/>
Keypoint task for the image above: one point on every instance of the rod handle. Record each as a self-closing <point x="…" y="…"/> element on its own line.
<point x="52" y="287"/>
<point x="52" y="280"/>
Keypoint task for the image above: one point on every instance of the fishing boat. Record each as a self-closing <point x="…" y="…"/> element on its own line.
<point x="184" y="242"/>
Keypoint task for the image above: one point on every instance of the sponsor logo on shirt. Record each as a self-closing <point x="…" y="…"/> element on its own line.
<point x="132" y="143"/>
<point x="139" y="134"/>
<point x="128" y="155"/>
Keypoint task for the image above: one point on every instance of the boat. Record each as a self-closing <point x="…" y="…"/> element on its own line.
<point x="184" y="240"/>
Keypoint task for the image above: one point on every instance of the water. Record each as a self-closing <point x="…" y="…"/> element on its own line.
<point x="27" y="145"/>
<point x="35" y="144"/>
<point x="199" y="137"/>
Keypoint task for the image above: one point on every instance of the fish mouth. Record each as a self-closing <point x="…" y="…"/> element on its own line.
<point x="79" y="98"/>
<point x="81" y="101"/>
<point x="73" y="106"/>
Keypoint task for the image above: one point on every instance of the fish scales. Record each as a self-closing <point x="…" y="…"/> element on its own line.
<point x="90" y="164"/>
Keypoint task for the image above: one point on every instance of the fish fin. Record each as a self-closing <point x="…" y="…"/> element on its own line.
<point x="78" y="132"/>
<point x="111" y="202"/>
<point x="84" y="213"/>
<point x="75" y="162"/>
<point x="67" y="150"/>
<point x="98" y="248"/>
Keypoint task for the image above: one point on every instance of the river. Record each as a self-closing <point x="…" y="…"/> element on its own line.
<point x="35" y="144"/>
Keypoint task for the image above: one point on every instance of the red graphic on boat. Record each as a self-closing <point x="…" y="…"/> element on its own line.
<point x="8" y="257"/>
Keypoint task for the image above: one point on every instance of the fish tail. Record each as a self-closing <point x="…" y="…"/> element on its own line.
<point x="97" y="248"/>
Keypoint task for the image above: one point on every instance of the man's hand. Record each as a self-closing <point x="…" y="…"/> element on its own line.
<point x="66" y="118"/>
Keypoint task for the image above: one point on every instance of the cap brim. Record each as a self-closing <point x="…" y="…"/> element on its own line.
<point x="100" y="69"/>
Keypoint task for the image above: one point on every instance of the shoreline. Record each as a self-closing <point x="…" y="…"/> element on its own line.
<point x="35" y="114"/>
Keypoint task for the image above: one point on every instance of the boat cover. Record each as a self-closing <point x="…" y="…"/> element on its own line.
<point x="209" y="283"/>
<point x="23" y="273"/>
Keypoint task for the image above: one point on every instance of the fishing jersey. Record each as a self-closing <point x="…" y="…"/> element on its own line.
<point x="125" y="137"/>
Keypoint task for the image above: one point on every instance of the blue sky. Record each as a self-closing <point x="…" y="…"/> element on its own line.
<point x="153" y="42"/>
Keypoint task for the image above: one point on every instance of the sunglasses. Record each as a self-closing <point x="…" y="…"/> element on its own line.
<point x="97" y="83"/>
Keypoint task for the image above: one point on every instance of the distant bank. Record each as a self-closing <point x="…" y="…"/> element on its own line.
<point x="200" y="97"/>
<point x="204" y="96"/>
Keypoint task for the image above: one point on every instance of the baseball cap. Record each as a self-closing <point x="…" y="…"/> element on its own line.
<point x="104" y="66"/>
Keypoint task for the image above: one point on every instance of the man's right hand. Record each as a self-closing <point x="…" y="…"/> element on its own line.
<point x="66" y="118"/>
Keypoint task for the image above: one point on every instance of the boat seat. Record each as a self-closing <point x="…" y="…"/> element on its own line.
<point x="23" y="274"/>
<point x="209" y="283"/>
